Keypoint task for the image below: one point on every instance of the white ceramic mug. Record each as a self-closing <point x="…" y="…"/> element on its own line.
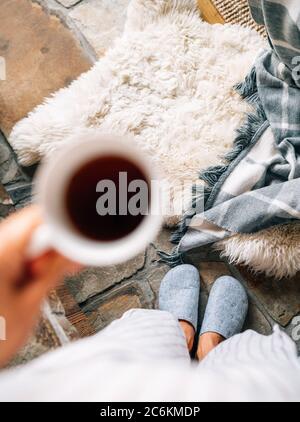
<point x="58" y="232"/>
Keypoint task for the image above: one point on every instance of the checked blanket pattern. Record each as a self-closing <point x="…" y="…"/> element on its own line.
<point x="260" y="185"/>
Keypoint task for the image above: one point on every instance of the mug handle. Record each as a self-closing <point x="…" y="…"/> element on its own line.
<point x="40" y="242"/>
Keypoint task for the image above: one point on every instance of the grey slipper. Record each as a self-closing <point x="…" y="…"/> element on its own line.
<point x="226" y="308"/>
<point x="179" y="293"/>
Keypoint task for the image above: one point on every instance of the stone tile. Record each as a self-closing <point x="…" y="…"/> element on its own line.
<point x="55" y="303"/>
<point x="162" y="242"/>
<point x="113" y="309"/>
<point x="202" y="307"/>
<point x="58" y="311"/>
<point x="5" y="152"/>
<point x="6" y="205"/>
<point x="9" y="169"/>
<point x="73" y="313"/>
<point x="280" y="298"/>
<point x="68" y="3"/>
<point x="257" y="321"/>
<point x="203" y="254"/>
<point x="210" y="271"/>
<point x="4" y="196"/>
<point x="152" y="256"/>
<point x="30" y="171"/>
<point x="20" y="193"/>
<point x="100" y="21"/>
<point x="43" y="340"/>
<point x="41" y="56"/>
<point x="93" y="281"/>
<point x="110" y="306"/>
<point x="154" y="276"/>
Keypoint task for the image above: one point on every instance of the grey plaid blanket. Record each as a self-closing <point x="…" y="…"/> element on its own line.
<point x="259" y="185"/>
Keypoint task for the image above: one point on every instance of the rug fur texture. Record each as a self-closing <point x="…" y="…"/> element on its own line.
<point x="167" y="82"/>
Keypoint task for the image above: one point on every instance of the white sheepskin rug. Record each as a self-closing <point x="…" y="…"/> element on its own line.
<point x="167" y="82"/>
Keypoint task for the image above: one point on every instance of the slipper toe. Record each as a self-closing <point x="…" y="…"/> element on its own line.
<point x="226" y="308"/>
<point x="179" y="293"/>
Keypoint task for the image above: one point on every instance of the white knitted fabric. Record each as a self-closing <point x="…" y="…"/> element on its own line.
<point x="143" y="357"/>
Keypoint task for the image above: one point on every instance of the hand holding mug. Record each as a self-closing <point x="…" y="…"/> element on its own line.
<point x="89" y="194"/>
<point x="24" y="286"/>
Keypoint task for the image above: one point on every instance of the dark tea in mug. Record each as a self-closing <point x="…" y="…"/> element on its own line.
<point x="107" y="198"/>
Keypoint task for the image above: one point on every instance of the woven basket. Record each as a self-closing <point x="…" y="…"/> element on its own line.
<point x="237" y="11"/>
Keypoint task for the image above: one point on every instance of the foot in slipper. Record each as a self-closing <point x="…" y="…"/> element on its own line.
<point x="179" y="295"/>
<point x="225" y="314"/>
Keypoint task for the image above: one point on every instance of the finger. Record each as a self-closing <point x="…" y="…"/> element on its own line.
<point x="40" y="266"/>
<point x="15" y="234"/>
<point x="39" y="269"/>
<point x="17" y="229"/>
<point x="57" y="268"/>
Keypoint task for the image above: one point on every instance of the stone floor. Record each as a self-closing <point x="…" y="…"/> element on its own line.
<point x="46" y="44"/>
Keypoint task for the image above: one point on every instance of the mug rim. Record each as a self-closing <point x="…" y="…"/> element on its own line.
<point x="51" y="180"/>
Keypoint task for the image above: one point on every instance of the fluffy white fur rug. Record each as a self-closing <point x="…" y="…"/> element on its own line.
<point x="167" y="82"/>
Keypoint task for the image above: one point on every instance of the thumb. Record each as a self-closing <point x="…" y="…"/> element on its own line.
<point x="46" y="275"/>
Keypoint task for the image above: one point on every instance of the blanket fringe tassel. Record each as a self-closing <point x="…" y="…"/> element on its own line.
<point x="211" y="176"/>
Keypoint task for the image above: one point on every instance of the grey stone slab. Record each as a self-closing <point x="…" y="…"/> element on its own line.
<point x="5" y="151"/>
<point x="152" y="255"/>
<point x="43" y="340"/>
<point x="57" y="309"/>
<point x="280" y="298"/>
<point x="154" y="275"/>
<point x="93" y="280"/>
<point x="202" y="306"/>
<point x="198" y="255"/>
<point x="6" y="205"/>
<point x="257" y="321"/>
<point x="29" y="172"/>
<point x="9" y="169"/>
<point x="20" y="193"/>
<point x="107" y="307"/>
<point x="162" y="242"/>
<point x="5" y="199"/>
<point x="42" y="55"/>
<point x="210" y="271"/>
